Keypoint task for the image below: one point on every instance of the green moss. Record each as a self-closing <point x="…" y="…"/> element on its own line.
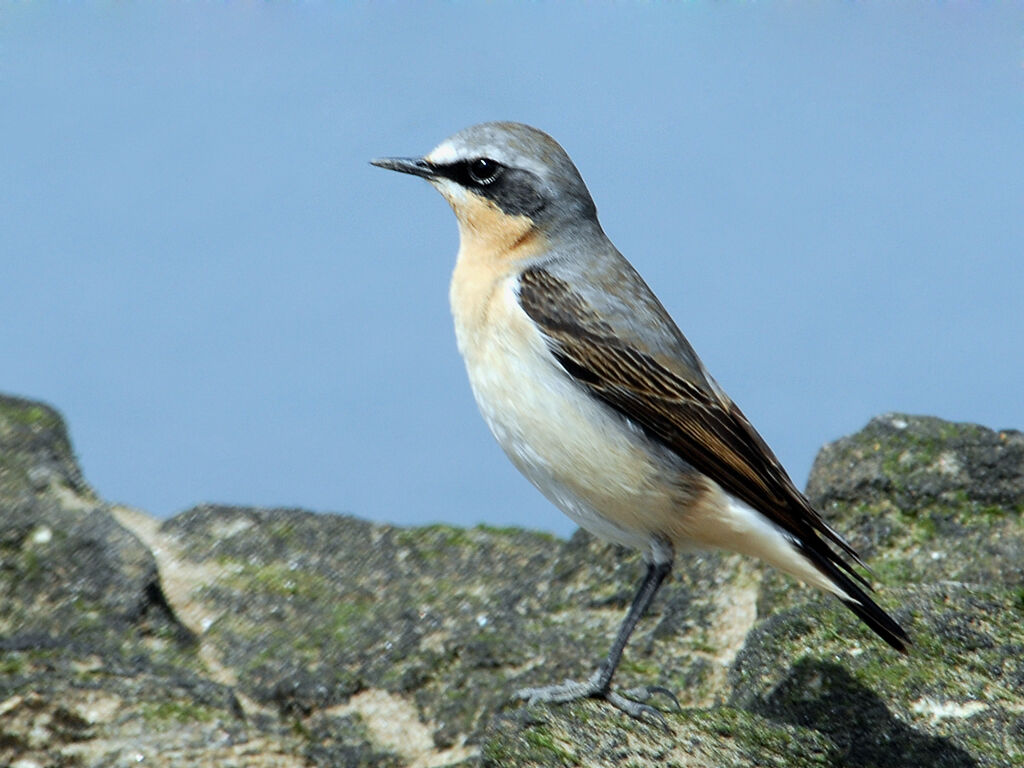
<point x="991" y="513"/>
<point x="894" y="570"/>
<point x="435" y="542"/>
<point x="1017" y="598"/>
<point x="345" y="619"/>
<point x="436" y="535"/>
<point x="300" y="729"/>
<point x="891" y="466"/>
<point x="173" y="711"/>
<point x="641" y="668"/>
<point x="702" y="645"/>
<point x="924" y="528"/>
<point x="545" y="748"/>
<point x="32" y="565"/>
<point x="508" y="531"/>
<point x="497" y="754"/>
<point x="11" y="664"/>
<point x="284" y="531"/>
<point x="910" y="450"/>
<point x="280" y="580"/>
<point x="497" y="530"/>
<point x="29" y="415"/>
<point x="439" y="591"/>
<point x="762" y="741"/>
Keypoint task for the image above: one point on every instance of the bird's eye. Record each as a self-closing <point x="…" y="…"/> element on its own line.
<point x="484" y="170"/>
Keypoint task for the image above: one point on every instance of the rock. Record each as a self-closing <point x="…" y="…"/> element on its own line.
<point x="72" y="575"/>
<point x="92" y="659"/>
<point x="937" y="508"/>
<point x="931" y="499"/>
<point x="314" y="610"/>
<point x="914" y="461"/>
<point x="242" y="636"/>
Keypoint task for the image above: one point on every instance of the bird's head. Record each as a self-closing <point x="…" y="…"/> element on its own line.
<point x="504" y="181"/>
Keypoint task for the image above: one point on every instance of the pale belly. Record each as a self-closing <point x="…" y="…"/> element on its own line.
<point x="588" y="461"/>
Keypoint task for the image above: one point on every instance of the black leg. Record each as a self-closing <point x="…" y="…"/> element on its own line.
<point x="653" y="578"/>
<point x="599" y="684"/>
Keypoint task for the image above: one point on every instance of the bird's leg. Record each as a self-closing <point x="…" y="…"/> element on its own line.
<point x="599" y="684"/>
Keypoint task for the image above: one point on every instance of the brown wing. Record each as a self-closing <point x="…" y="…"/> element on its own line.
<point x="708" y="432"/>
<point x="679" y="410"/>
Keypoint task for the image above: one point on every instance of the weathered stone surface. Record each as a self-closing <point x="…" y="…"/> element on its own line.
<point x="311" y="610"/>
<point x="912" y="461"/>
<point x="94" y="667"/>
<point x="240" y="636"/>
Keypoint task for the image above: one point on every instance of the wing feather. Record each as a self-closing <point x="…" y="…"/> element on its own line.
<point x="701" y="426"/>
<point x="676" y="403"/>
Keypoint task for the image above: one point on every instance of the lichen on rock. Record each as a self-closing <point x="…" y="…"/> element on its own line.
<point x="244" y="636"/>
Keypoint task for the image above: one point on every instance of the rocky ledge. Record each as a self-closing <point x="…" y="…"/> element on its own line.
<point x="249" y="637"/>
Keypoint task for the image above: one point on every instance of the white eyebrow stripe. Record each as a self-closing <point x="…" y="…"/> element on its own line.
<point x="442" y="154"/>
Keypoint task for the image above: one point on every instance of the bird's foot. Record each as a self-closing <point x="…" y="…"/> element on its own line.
<point x="645" y="693"/>
<point x="633" y="701"/>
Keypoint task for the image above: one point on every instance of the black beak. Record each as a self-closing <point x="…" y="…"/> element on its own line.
<point x="414" y="165"/>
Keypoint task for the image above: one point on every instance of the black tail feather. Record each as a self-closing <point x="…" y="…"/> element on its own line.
<point x="867" y="610"/>
<point x="882" y="623"/>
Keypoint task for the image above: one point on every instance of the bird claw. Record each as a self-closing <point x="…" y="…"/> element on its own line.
<point x="632" y="702"/>
<point x="637" y="710"/>
<point x="570" y="690"/>
<point x="645" y="693"/>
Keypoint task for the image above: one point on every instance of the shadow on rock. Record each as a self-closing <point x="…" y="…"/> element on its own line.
<point x="827" y="698"/>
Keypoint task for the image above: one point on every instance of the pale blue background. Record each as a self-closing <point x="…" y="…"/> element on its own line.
<point x="200" y="269"/>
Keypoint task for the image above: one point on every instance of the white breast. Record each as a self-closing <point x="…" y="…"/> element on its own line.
<point x="587" y="460"/>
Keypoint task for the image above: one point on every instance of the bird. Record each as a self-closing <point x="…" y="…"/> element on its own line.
<point x="597" y="397"/>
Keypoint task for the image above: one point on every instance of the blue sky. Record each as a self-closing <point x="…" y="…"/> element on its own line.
<point x="200" y="269"/>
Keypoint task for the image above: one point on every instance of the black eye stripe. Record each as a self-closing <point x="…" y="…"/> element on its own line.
<point x="472" y="173"/>
<point x="516" y="191"/>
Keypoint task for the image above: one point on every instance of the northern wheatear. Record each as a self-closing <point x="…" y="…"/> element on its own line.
<point x="597" y="397"/>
